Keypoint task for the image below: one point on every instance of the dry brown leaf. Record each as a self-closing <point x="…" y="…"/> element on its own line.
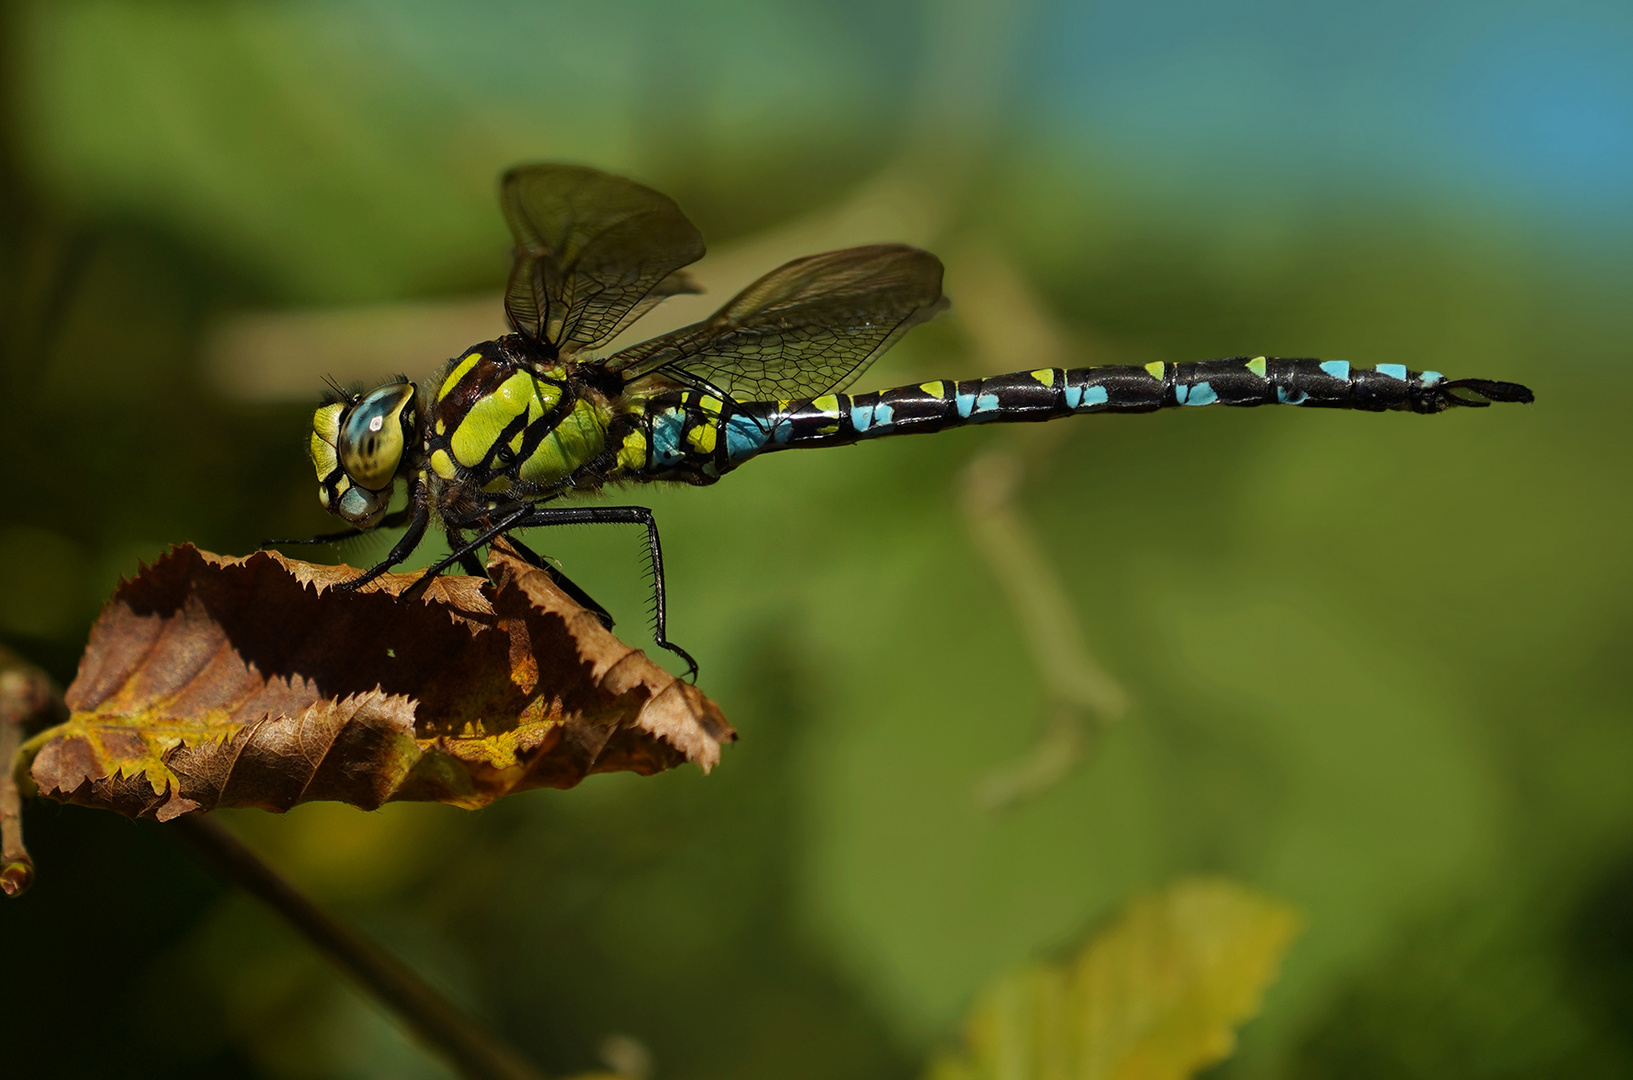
<point x="212" y="681"/>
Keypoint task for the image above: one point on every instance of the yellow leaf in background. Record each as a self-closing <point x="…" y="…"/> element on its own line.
<point x="1158" y="995"/>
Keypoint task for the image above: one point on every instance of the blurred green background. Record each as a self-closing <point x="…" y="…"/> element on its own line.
<point x="1377" y="665"/>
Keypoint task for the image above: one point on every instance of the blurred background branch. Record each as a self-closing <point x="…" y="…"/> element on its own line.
<point x="428" y="1016"/>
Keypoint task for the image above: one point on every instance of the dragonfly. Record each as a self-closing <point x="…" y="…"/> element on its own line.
<point x="508" y="429"/>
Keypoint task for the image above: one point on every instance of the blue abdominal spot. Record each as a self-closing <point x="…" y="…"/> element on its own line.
<point x="1200" y="394"/>
<point x="1085" y="397"/>
<point x="744" y="437"/>
<point x="666" y="428"/>
<point x="867" y="417"/>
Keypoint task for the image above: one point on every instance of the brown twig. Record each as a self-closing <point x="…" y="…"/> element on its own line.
<point x="432" y="1018"/>
<point x="28" y="702"/>
<point x="16" y="868"/>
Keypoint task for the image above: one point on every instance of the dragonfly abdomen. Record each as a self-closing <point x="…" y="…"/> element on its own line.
<point x="698" y="436"/>
<point x="1048" y="393"/>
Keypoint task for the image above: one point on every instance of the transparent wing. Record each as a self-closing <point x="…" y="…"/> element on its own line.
<point x="807" y="328"/>
<point x="593" y="253"/>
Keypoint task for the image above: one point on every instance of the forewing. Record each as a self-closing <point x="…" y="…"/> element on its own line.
<point x="807" y="328"/>
<point x="591" y="252"/>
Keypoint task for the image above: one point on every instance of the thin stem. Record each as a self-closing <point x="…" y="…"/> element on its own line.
<point x="1080" y="687"/>
<point x="16" y="868"/>
<point x="28" y="702"/>
<point x="432" y="1018"/>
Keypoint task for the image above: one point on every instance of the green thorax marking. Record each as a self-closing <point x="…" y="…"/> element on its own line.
<point x="506" y="425"/>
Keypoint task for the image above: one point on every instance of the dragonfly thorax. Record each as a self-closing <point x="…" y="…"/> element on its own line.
<point x="506" y="425"/>
<point x="360" y="445"/>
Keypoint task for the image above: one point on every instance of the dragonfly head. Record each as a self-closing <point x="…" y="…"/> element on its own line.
<point x="359" y="446"/>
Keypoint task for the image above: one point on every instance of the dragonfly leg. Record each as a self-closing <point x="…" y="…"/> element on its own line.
<point x="401" y="550"/>
<point x="563" y="582"/>
<point x="543" y="516"/>
<point x="468" y="561"/>
<point x="463" y="549"/>
<point x="395" y="519"/>
<point x="527" y="516"/>
<point x="322" y="538"/>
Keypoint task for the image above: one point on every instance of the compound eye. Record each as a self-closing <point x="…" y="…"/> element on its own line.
<point x="363" y="508"/>
<point x="373" y="435"/>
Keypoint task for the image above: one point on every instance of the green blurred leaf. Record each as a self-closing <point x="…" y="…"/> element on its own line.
<point x="1157" y="995"/>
